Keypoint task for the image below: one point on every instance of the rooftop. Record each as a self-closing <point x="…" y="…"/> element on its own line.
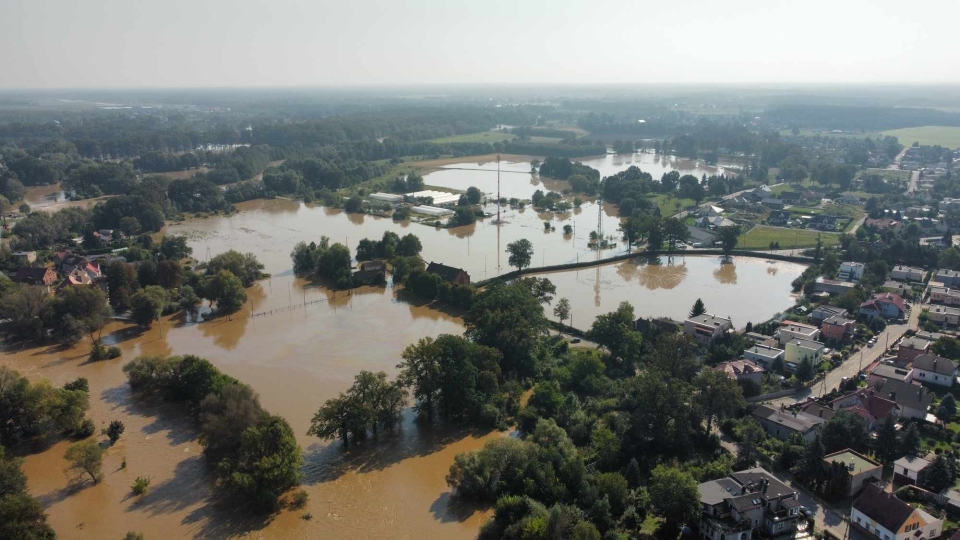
<point x="890" y="372"/>
<point x="763" y="350"/>
<point x="912" y="463"/>
<point x="797" y="421"/>
<point x="855" y="462"/>
<point x="935" y="364"/>
<point x="710" y="320"/>
<point x="884" y="508"/>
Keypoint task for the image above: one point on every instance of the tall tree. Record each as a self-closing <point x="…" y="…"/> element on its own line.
<point x="521" y="253"/>
<point x="674" y="495"/>
<point x="562" y="310"/>
<point x="719" y="396"/>
<point x="729" y="236"/>
<point x="910" y="442"/>
<point x="698" y="308"/>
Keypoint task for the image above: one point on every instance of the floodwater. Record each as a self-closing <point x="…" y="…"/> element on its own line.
<point x="51" y="198"/>
<point x="517" y="181"/>
<point x="304" y="346"/>
<point x="744" y="289"/>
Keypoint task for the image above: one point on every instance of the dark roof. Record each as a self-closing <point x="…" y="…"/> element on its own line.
<point x="367" y="276"/>
<point x="791" y="196"/>
<point x="936" y="364"/>
<point x="779" y="214"/>
<point x="884" y="508"/>
<point x="906" y="394"/>
<point x="775" y="488"/>
<point x="31" y="273"/>
<point x="829" y="311"/>
<point x="372" y="265"/>
<point x="746" y="502"/>
<point x="448" y="273"/>
<point x="822" y="219"/>
<point x="770" y="200"/>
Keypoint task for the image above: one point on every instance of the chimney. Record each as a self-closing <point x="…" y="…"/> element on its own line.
<point x="763" y="486"/>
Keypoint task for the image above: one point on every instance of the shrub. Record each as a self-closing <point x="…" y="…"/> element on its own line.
<point x="140" y="485"/>
<point x="86" y="429"/>
<point x="113" y="431"/>
<point x="299" y="499"/>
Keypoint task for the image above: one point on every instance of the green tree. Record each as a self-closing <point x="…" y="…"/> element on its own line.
<point x="353" y="205"/>
<point x="698" y="308"/>
<point x="474" y="195"/>
<point x="751" y="436"/>
<point x="719" y="396"/>
<point x="267" y="463"/>
<point x="947" y="408"/>
<point x="175" y="247"/>
<point x="615" y="331"/>
<point x="409" y="246"/>
<point x="21" y="515"/>
<point x="729" y="236"/>
<point x="114" y="430"/>
<point x="812" y="470"/>
<point x="24" y="306"/>
<point x="941" y="474"/>
<point x="910" y="442"/>
<point x="562" y="310"/>
<point x="674" y="495"/>
<point x="463" y="215"/>
<point x="675" y="231"/>
<point x="887" y="448"/>
<point x="245" y="266"/>
<point x="225" y="416"/>
<point x="226" y="291"/>
<point x="510" y="319"/>
<point x="605" y="445"/>
<point x="80" y="308"/>
<point x="805" y="370"/>
<point x="86" y="457"/>
<point x="147" y="305"/>
<point x="521" y="253"/>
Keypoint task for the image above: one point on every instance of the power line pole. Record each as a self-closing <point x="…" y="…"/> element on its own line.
<point x="498" y="190"/>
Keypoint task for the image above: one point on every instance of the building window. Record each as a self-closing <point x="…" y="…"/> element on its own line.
<point x="858" y="520"/>
<point x="886" y="537"/>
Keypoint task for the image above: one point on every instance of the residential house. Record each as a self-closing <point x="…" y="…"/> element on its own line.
<point x="711" y="211"/>
<point x="25" y="257"/>
<point x="948" y="278"/>
<point x="831" y="286"/>
<point x="913" y="399"/>
<point x="775" y="204"/>
<point x="369" y="277"/>
<point x="886" y="305"/>
<point x="824" y="312"/>
<point x="823" y="222"/>
<point x="791" y="197"/>
<point x="882" y="372"/>
<point x="781" y="423"/>
<point x="851" y="271"/>
<point x="928" y="368"/>
<point x="797" y="350"/>
<point x="848" y="199"/>
<point x="944" y="315"/>
<point x="763" y="354"/>
<point x="901" y="289"/>
<point x="909" y="470"/>
<point x="754" y="197"/>
<point x="868" y="404"/>
<point x="813" y="197"/>
<point x="453" y="275"/>
<point x="373" y="265"/>
<point x="838" y="328"/>
<point x="884" y="224"/>
<point x="706" y="328"/>
<point x="778" y="217"/>
<point x="862" y="470"/>
<point x="749" y="501"/>
<point x="790" y="330"/>
<point x="743" y="370"/>
<point x="883" y="516"/>
<point x="36" y="275"/>
<point x="714" y="222"/>
<point x="945" y="296"/>
<point x="906" y="273"/>
<point x="911" y="348"/>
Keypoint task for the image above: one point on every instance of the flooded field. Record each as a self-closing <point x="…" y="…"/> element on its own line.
<point x="51" y="198"/>
<point x="516" y="180"/>
<point x="307" y="345"/>
<point x="745" y="289"/>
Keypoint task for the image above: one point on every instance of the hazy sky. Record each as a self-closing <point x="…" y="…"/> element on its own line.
<point x="260" y="43"/>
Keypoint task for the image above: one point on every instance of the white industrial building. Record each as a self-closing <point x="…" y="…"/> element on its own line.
<point x="440" y="198"/>
<point x="386" y="197"/>
<point x="431" y="210"/>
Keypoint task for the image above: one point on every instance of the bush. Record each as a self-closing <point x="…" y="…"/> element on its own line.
<point x="299" y="499"/>
<point x="86" y="429"/>
<point x="114" y="430"/>
<point x="140" y="485"/>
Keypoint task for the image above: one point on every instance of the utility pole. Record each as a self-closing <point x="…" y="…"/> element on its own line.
<point x="498" y="190"/>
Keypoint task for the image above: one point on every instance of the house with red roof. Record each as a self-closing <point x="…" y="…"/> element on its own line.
<point x="35" y="275"/>
<point x="886" y="305"/>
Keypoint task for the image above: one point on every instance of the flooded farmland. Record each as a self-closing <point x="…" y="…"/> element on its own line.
<point x="307" y="348"/>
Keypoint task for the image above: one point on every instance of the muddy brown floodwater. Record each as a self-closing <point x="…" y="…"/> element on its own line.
<point x="304" y="346"/>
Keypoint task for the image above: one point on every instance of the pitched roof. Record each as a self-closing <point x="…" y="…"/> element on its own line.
<point x="879" y="298"/>
<point x="935" y="364"/>
<point x="905" y="394"/>
<point x="884" y="508"/>
<point x="797" y="421"/>
<point x="31" y="273"/>
<point x="742" y="366"/>
<point x="448" y="273"/>
<point x="828" y="311"/>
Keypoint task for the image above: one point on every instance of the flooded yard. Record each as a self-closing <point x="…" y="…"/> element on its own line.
<point x="308" y="346"/>
<point x="744" y="289"/>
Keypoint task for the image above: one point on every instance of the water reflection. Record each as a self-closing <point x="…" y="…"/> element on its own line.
<point x="726" y="274"/>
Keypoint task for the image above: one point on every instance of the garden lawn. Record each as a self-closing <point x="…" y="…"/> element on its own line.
<point x="668" y="204"/>
<point x="760" y="237"/>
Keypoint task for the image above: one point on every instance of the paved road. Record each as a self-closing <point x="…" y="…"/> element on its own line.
<point x="914" y="178"/>
<point x="852" y="366"/>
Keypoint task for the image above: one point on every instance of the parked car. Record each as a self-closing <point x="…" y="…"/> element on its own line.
<point x="575" y="340"/>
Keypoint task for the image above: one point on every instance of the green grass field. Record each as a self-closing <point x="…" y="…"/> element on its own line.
<point x="822" y="133"/>
<point x="886" y="173"/>
<point x="928" y="135"/>
<point x="486" y="136"/>
<point x="668" y="204"/>
<point x="760" y="237"/>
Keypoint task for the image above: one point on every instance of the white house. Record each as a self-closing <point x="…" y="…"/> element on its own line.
<point x="928" y="368"/>
<point x="790" y="330"/>
<point x="885" y="517"/>
<point x="763" y="355"/>
<point x="909" y="470"/>
<point x="851" y="271"/>
<point x="906" y="273"/>
<point x="706" y="328"/>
